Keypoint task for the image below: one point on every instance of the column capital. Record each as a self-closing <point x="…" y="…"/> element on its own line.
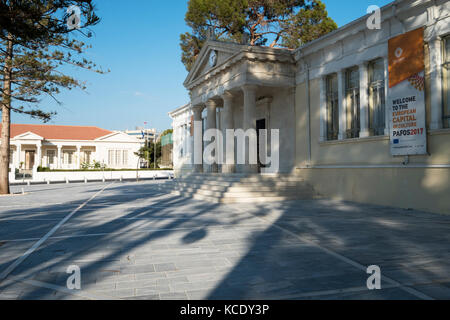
<point x="227" y="96"/>
<point x="364" y="64"/>
<point x="211" y="104"/>
<point x="249" y="87"/>
<point x="198" y="108"/>
<point x="435" y="39"/>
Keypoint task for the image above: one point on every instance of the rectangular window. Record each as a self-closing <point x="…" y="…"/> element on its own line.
<point x="86" y="157"/>
<point x="446" y="74"/>
<point x="377" y="103"/>
<point x="125" y="158"/>
<point x="352" y="102"/>
<point x="111" y="158"/>
<point x="51" y="155"/>
<point x="68" y="157"/>
<point x="332" y="96"/>
<point x="118" y="158"/>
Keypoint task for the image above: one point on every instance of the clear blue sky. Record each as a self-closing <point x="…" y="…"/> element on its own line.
<point x="138" y="41"/>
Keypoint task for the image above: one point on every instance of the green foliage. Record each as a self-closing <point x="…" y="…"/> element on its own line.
<point x="166" y="132"/>
<point x="148" y="153"/>
<point x="285" y="23"/>
<point x="308" y="25"/>
<point x="98" y="165"/>
<point x="35" y="41"/>
<point x="85" y="166"/>
<point x="43" y="169"/>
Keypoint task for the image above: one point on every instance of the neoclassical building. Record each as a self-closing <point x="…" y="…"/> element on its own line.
<point x="330" y="99"/>
<point x="69" y="147"/>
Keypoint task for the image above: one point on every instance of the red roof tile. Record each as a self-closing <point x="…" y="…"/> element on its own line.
<point x="50" y="132"/>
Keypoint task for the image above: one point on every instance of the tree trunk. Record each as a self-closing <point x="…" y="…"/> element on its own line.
<point x="6" y="119"/>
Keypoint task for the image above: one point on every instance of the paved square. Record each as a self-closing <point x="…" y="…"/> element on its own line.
<point x="133" y="242"/>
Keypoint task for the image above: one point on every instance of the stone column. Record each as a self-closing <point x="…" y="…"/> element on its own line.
<point x="386" y="93"/>
<point x="19" y="152"/>
<point x="364" y="100"/>
<point x="323" y="109"/>
<point x="229" y="165"/>
<point x="211" y="124"/>
<point x="435" y="46"/>
<point x="39" y="156"/>
<point x="197" y="142"/>
<point x="249" y="123"/>
<point x="78" y="162"/>
<point x="59" y="156"/>
<point x="342" y="106"/>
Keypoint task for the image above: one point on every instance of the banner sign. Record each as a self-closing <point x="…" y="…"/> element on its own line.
<point x="407" y="95"/>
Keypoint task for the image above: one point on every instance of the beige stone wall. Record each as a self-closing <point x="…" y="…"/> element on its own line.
<point x="416" y="188"/>
<point x="411" y="186"/>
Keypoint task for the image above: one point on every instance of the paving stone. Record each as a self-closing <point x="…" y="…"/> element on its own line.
<point x="241" y="256"/>
<point x="174" y="296"/>
<point x="165" y="267"/>
<point x="153" y="290"/>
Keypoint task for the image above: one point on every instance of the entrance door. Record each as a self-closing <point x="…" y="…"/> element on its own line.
<point x="260" y="125"/>
<point x="29" y="160"/>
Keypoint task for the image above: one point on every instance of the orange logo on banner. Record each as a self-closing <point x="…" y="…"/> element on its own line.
<point x="406" y="56"/>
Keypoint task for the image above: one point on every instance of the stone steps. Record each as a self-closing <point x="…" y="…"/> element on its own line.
<point x="240" y="188"/>
<point x="226" y="186"/>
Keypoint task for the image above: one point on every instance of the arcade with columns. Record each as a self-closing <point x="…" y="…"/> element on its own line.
<point x="239" y="87"/>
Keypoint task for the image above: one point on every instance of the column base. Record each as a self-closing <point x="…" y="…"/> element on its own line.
<point x="228" y="168"/>
<point x="250" y="168"/>
<point x="364" y="134"/>
<point x="214" y="168"/>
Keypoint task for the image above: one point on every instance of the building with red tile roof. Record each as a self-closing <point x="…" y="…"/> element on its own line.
<point x="70" y="147"/>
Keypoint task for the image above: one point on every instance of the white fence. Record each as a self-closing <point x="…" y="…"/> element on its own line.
<point x="87" y="176"/>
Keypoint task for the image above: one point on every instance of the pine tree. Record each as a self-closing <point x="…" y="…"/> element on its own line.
<point x="37" y="38"/>
<point x="276" y="23"/>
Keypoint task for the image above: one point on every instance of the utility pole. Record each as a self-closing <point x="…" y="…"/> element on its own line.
<point x="147" y="144"/>
<point x="154" y="139"/>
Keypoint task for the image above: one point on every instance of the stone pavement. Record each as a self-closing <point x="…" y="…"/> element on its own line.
<point x="133" y="242"/>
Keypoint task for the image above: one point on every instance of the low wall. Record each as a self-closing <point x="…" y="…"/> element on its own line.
<point x="95" y="176"/>
<point x="425" y="189"/>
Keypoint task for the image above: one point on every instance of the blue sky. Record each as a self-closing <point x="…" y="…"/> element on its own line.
<point x="138" y="41"/>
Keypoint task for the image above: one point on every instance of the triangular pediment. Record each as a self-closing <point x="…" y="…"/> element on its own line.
<point x="202" y="66"/>
<point x="28" y="136"/>
<point x="118" y="137"/>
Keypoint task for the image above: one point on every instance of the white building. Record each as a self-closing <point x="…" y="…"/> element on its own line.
<point x="182" y="136"/>
<point x="330" y="101"/>
<point x="69" y="147"/>
<point x="143" y="135"/>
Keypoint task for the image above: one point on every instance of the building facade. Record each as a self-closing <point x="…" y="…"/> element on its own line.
<point x="143" y="135"/>
<point x="70" y="148"/>
<point x="330" y="102"/>
<point x="182" y="137"/>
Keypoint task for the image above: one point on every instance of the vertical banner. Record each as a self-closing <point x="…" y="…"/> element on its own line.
<point x="407" y="117"/>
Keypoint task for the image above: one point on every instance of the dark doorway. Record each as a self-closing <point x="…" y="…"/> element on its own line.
<point x="260" y="125"/>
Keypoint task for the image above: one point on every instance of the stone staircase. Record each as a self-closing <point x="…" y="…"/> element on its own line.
<point x="240" y="188"/>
